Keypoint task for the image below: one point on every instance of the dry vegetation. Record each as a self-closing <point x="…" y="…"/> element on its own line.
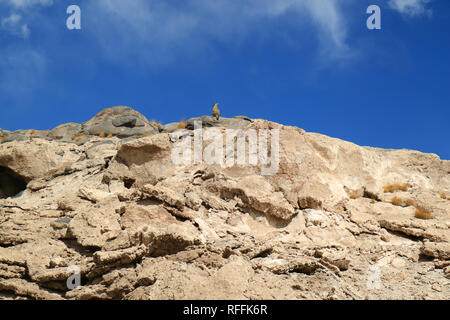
<point x="2" y="137"/>
<point x="104" y="135"/>
<point x="396" y="201"/>
<point x="156" y="123"/>
<point x="443" y="195"/>
<point x="409" y="202"/>
<point x="353" y="195"/>
<point x="182" y="125"/>
<point x="422" y="213"/>
<point x="78" y="138"/>
<point x="391" y="188"/>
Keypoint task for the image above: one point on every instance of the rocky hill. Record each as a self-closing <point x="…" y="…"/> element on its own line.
<point x="336" y="221"/>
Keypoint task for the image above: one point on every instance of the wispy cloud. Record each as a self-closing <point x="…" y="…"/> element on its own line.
<point x="13" y="24"/>
<point x="22" y="65"/>
<point x="161" y="30"/>
<point x="410" y="7"/>
<point x="21" y="70"/>
<point x="27" y="3"/>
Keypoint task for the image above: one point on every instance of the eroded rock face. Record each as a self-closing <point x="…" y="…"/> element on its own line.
<point x="39" y="158"/>
<point x="138" y="226"/>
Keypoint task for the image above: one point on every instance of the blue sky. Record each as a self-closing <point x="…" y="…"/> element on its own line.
<point x="308" y="63"/>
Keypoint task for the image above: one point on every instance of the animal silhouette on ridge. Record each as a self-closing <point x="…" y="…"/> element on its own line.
<point x="216" y="111"/>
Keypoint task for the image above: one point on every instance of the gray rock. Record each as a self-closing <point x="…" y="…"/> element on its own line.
<point x="128" y="121"/>
<point x="13" y="137"/>
<point x="119" y="121"/>
<point x="4" y="132"/>
<point x="210" y="122"/>
<point x="66" y="132"/>
<point x="82" y="139"/>
<point x="128" y="139"/>
<point x="243" y="118"/>
<point x="170" y="127"/>
<point x="64" y="220"/>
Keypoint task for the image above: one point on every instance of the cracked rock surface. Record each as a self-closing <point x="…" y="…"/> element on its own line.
<point x="137" y="226"/>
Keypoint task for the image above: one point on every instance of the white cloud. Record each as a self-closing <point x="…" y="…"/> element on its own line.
<point x="27" y="3"/>
<point x="332" y="26"/>
<point x="22" y="66"/>
<point x="19" y="8"/>
<point x="12" y="20"/>
<point x="410" y="7"/>
<point x="13" y="24"/>
<point x="159" y="31"/>
<point x="162" y="30"/>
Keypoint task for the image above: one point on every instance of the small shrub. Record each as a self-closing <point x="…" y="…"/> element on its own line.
<point x="182" y="125"/>
<point x="32" y="132"/>
<point x="353" y="195"/>
<point x="78" y="139"/>
<point x="110" y="135"/>
<point x="102" y="135"/>
<point x="156" y="123"/>
<point x="372" y="201"/>
<point x="422" y="213"/>
<point x="409" y="202"/>
<point x="396" y="201"/>
<point x="391" y="188"/>
<point x="2" y="137"/>
<point x="443" y="195"/>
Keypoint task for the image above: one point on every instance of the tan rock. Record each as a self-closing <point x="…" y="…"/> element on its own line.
<point x="27" y="289"/>
<point x="37" y="159"/>
<point x="440" y="250"/>
<point x="140" y="227"/>
<point x="398" y="263"/>
<point x="96" y="195"/>
<point x="165" y="195"/>
<point x="258" y="194"/>
<point x="93" y="229"/>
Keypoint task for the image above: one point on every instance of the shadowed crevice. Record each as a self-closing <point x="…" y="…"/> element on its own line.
<point x="11" y="183"/>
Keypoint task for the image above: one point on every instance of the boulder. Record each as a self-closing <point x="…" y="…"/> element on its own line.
<point x="33" y="160"/>
<point x="119" y="121"/>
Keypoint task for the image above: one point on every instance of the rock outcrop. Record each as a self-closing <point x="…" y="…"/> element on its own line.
<point x="105" y="198"/>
